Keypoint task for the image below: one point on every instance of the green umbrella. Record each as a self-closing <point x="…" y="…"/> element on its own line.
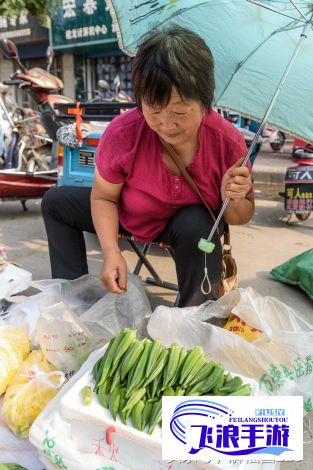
<point x="263" y="53"/>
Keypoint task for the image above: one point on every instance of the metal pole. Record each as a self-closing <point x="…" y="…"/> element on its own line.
<point x="303" y="36"/>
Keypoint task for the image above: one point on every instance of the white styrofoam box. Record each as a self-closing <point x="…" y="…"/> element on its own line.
<point x="132" y="448"/>
<point x="13" y="280"/>
<point x="86" y="437"/>
<point x="95" y="415"/>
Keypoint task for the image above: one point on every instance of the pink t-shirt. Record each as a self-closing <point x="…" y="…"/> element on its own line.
<point x="130" y="152"/>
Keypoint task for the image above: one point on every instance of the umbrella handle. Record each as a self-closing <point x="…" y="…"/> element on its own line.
<point x="206" y="245"/>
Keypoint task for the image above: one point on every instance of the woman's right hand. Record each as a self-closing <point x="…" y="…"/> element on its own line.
<point x="114" y="272"/>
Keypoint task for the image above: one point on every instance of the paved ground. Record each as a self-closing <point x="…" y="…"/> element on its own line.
<point x="267" y="241"/>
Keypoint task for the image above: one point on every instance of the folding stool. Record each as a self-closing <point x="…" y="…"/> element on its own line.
<point x="144" y="261"/>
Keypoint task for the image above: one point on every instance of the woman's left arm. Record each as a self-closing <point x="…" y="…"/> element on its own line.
<point x="237" y="186"/>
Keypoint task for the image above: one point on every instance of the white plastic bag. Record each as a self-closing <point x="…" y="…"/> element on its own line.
<point x="13" y="279"/>
<point x="65" y="341"/>
<point x="116" y="311"/>
<point x="102" y="313"/>
<point x="73" y="317"/>
<point x="24" y="310"/>
<point x="13" y="449"/>
<point x="280" y="359"/>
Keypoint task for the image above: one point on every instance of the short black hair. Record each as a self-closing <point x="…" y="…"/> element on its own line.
<point x="173" y="57"/>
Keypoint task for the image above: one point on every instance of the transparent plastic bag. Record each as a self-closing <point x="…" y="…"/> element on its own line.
<point x="67" y="339"/>
<point x="63" y="338"/>
<point x="78" y="295"/>
<point x="13" y="279"/>
<point x="280" y="359"/>
<point x="14" y="348"/>
<point x="116" y="311"/>
<point x="102" y="313"/>
<point x="34" y="385"/>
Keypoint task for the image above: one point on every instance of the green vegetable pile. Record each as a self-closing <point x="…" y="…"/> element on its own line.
<point x="132" y="376"/>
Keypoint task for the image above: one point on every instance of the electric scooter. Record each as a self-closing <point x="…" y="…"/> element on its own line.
<point x="298" y="194"/>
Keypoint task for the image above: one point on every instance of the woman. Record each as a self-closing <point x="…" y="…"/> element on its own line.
<point x="137" y="187"/>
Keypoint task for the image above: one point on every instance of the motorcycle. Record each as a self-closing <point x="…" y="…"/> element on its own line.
<point x="298" y="194"/>
<point x="269" y="135"/>
<point x="24" y="163"/>
<point x="10" y="113"/>
<point x="275" y="137"/>
<point x="105" y="94"/>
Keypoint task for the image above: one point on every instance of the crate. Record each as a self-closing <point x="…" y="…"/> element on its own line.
<point x="79" y="163"/>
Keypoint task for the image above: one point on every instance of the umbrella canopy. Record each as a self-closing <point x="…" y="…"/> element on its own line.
<point x="253" y="42"/>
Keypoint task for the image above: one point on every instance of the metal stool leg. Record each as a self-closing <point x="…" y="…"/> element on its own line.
<point x="143" y="260"/>
<point x="140" y="262"/>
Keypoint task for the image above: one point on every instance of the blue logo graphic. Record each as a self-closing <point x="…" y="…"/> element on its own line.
<point x="234" y="438"/>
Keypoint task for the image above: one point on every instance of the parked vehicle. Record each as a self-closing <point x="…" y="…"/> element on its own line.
<point x="10" y="113"/>
<point x="275" y="137"/>
<point x="248" y="127"/>
<point x="77" y="164"/>
<point x="105" y="94"/>
<point x="25" y="145"/>
<point x="42" y="86"/>
<point x="298" y="194"/>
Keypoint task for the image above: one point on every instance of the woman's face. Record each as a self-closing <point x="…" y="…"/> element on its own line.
<point x="177" y="122"/>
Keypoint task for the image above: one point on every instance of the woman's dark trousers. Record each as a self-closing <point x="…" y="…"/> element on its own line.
<point x="67" y="214"/>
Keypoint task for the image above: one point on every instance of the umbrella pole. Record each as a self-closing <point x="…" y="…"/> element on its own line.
<point x="207" y="245"/>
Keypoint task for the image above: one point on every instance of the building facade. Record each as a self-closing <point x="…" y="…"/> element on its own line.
<point x="32" y="41"/>
<point x="82" y="35"/>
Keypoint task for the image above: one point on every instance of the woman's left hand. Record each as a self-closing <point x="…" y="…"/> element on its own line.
<point x="236" y="183"/>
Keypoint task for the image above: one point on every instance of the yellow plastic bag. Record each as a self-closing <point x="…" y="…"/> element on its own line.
<point x="34" y="385"/>
<point x="14" y="348"/>
<point x="241" y="328"/>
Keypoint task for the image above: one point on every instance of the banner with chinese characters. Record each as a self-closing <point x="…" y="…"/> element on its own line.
<point x="22" y="29"/>
<point x="299" y="189"/>
<point x="232" y="428"/>
<point x="81" y="22"/>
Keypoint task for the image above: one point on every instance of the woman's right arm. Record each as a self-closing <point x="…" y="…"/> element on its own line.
<point x="104" y="201"/>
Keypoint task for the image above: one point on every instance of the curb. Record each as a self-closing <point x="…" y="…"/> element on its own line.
<point x="267" y="175"/>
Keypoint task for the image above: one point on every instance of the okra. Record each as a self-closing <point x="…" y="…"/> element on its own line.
<point x="128" y="337"/>
<point x="131" y="402"/>
<point x="137" y="376"/>
<point x="86" y="394"/>
<point x="136" y="414"/>
<point x="114" y="401"/>
<point x="110" y="357"/>
<point x="156" y="349"/>
<point x="190" y="361"/>
<point x="156" y="416"/>
<point x="172" y="364"/>
<point x="131" y="357"/>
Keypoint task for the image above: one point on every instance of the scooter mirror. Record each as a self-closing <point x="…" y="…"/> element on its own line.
<point x="10" y="51"/>
<point x="103" y="85"/>
<point x="50" y="57"/>
<point x="123" y="96"/>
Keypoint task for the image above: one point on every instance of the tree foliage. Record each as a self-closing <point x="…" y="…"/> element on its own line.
<point x="40" y="9"/>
